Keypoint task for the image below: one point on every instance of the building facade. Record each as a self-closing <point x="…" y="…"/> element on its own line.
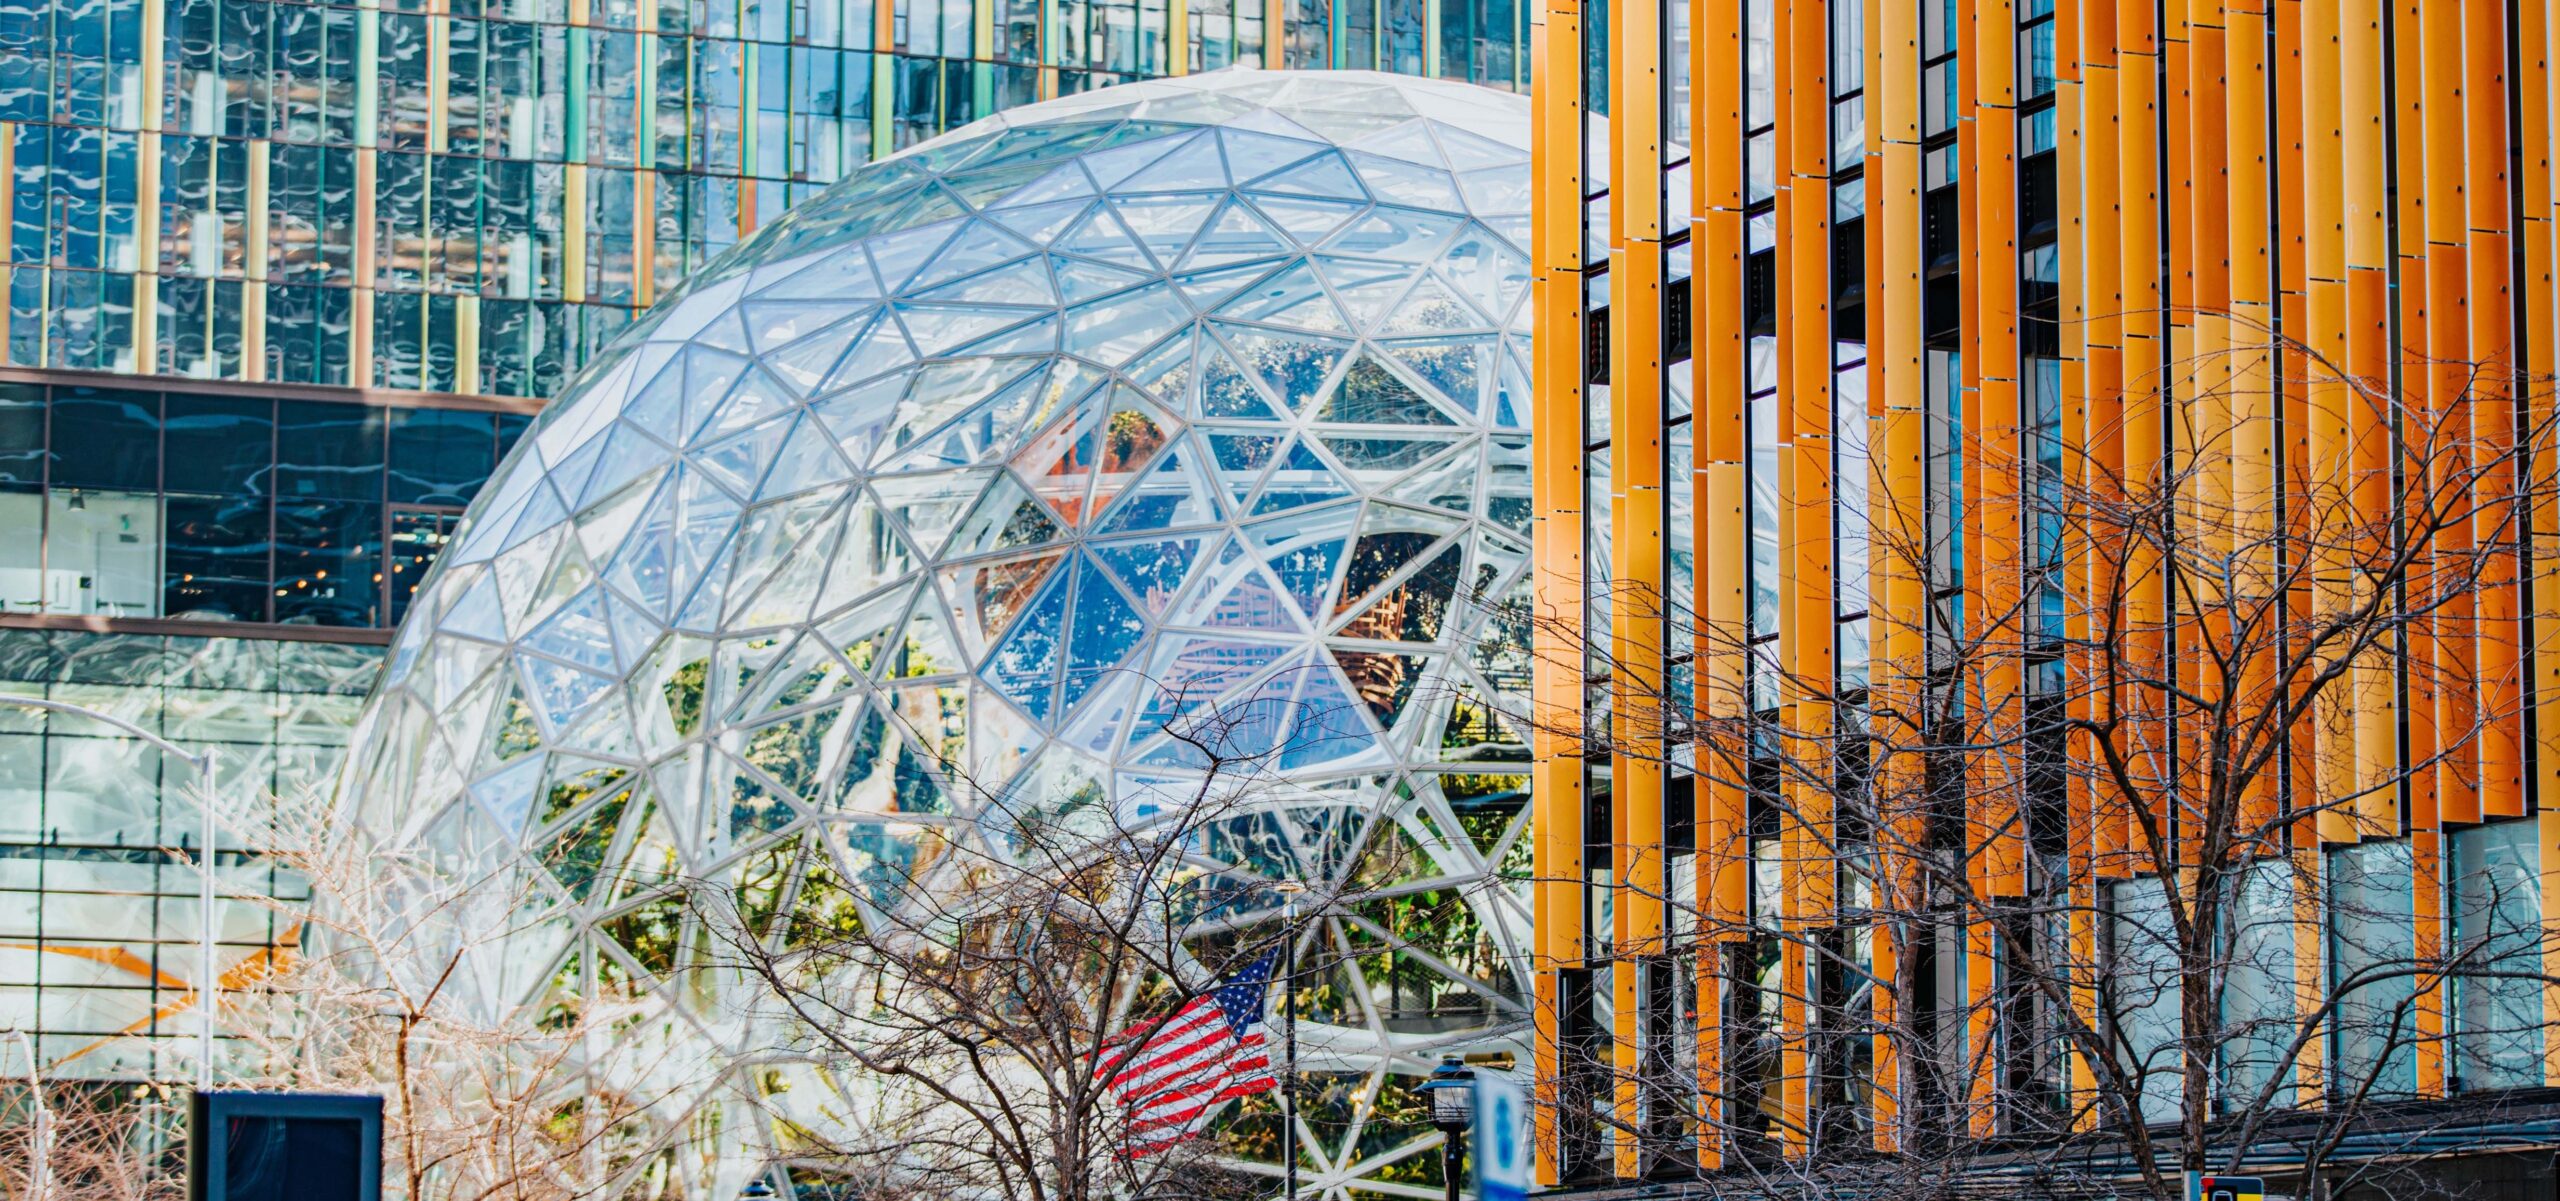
<point x="2041" y="622"/>
<point x="285" y="283"/>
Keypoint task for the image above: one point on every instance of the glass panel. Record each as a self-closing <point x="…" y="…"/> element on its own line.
<point x="22" y="587"/>
<point x="2497" y="930"/>
<point x="102" y="553"/>
<point x="106" y="438"/>
<point x="329" y="450"/>
<point x="220" y="444"/>
<point x="2257" y="997"/>
<point x="2142" y="992"/>
<point x="21" y="434"/>
<point x="2373" y="940"/>
<point x="440" y="456"/>
<point x="215" y="567"/>
<point x="416" y="537"/>
<point x="328" y="563"/>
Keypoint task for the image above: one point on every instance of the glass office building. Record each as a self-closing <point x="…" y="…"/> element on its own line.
<point x="285" y="281"/>
<point x="1868" y="335"/>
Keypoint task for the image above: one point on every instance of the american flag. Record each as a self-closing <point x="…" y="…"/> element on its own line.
<point x="1209" y="1052"/>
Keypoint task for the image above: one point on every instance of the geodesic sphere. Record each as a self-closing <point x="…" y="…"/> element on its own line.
<point x="951" y="491"/>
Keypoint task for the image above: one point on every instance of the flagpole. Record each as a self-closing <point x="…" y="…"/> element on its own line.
<point x="1289" y="1047"/>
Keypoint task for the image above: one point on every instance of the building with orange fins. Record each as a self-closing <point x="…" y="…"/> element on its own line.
<point x="2045" y="619"/>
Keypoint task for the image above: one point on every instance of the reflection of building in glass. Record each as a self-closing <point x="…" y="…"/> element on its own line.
<point x="1891" y="344"/>
<point x="1198" y="396"/>
<point x="285" y="280"/>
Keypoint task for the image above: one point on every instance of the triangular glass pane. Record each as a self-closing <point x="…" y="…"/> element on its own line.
<point x="1409" y="141"/>
<point x="1412" y="609"/>
<point x="1302" y="478"/>
<point x="1064" y="182"/>
<point x="1253" y="155"/>
<point x="1323" y="175"/>
<point x="773" y="324"/>
<point x="1226" y="392"/>
<point x="1238" y="235"/>
<point x="1308" y="221"/>
<point x="1176" y="493"/>
<point x="1024" y="666"/>
<point x="1195" y="165"/>
<point x="1165" y="224"/>
<point x="843" y="274"/>
<point x="928" y="505"/>
<point x="1099" y="236"/>
<point x="938" y="329"/>
<point x="1081" y="281"/>
<point x="1040" y="224"/>
<point x="1371" y="394"/>
<point x="980" y="185"/>
<point x="1432" y="309"/>
<point x="1190" y="671"/>
<point x="1293" y="297"/>
<point x="1294" y="368"/>
<point x="1007" y="517"/>
<point x="1111" y="331"/>
<point x="1327" y="726"/>
<point x="1383" y="680"/>
<point x="1381" y="554"/>
<point x="1368" y="291"/>
<point x="898" y="255"/>
<point x="1105" y="629"/>
<point x="1153" y="570"/>
<point x="1025" y="281"/>
<point x="1109" y="167"/>
<point x="981" y="244"/>
<point x="1451" y="367"/>
<point x="986" y="597"/>
<point x="1408" y="183"/>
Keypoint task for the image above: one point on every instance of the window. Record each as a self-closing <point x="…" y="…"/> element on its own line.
<point x="2372" y="949"/>
<point x="2497" y="947"/>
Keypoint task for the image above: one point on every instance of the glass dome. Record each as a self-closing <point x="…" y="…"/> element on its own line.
<point x="966" y="478"/>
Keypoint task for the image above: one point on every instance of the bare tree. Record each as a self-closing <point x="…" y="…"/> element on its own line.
<point x="2115" y="857"/>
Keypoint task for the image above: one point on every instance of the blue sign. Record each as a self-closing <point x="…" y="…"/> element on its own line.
<point x="1501" y="1138"/>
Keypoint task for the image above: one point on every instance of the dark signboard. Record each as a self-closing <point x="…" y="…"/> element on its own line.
<point x="246" y="1146"/>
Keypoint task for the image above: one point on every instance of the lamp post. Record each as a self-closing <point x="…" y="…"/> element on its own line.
<point x="1453" y="1108"/>
<point x="202" y="763"/>
<point x="1289" y="1042"/>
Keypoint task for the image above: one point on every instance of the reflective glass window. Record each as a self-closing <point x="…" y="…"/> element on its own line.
<point x="21" y="435"/>
<point x="215" y="565"/>
<point x="440" y="456"/>
<point x="415" y="538"/>
<point x="329" y="450"/>
<point x="328" y="566"/>
<point x="2497" y="920"/>
<point x="106" y="438"/>
<point x="2373" y="939"/>
<point x="219" y="444"/>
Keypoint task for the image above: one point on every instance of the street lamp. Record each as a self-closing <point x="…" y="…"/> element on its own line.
<point x="756" y="1190"/>
<point x="202" y="762"/>
<point x="1453" y="1108"/>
